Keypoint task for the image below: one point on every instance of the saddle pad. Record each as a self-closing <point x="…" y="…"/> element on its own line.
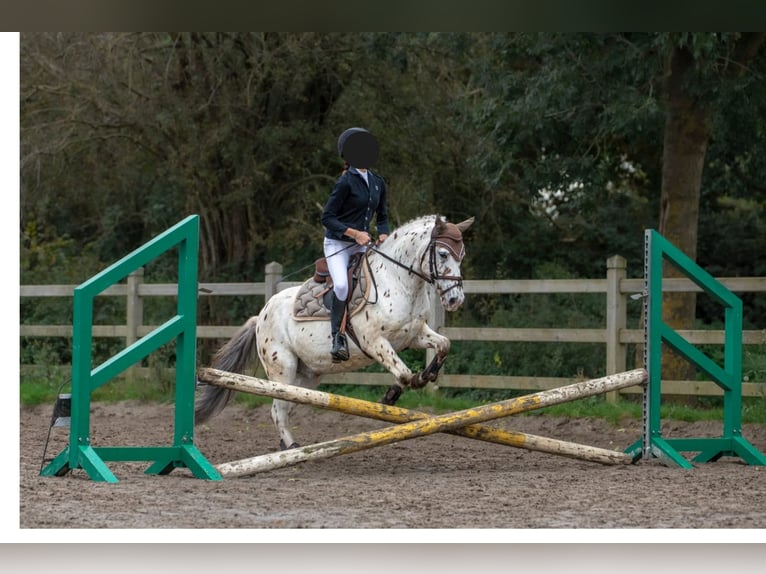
<point x="308" y="304"/>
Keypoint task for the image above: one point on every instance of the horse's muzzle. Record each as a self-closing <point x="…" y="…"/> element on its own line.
<point x="452" y="300"/>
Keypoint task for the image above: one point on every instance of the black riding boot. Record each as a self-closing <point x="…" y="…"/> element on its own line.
<point x="339" y="345"/>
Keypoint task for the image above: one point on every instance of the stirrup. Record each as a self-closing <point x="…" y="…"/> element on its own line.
<point x="339" y="349"/>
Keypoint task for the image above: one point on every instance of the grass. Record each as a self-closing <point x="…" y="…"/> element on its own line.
<point x="595" y="407"/>
<point x="43" y="386"/>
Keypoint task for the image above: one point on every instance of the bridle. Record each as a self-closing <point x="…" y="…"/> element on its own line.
<point x="450" y="238"/>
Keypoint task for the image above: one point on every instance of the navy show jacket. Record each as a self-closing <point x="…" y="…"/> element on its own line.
<point x="353" y="204"/>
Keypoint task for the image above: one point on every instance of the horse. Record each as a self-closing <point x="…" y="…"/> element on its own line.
<point x="416" y="261"/>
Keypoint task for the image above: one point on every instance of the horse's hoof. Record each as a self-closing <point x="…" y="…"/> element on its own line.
<point x="392" y="395"/>
<point x="282" y="445"/>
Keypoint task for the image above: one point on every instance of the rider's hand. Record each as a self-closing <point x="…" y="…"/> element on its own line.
<point x="362" y="238"/>
<point x="381" y="239"/>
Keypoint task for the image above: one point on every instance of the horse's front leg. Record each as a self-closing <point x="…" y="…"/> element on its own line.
<point x="430" y="373"/>
<point x="430" y="339"/>
<point x="385" y="354"/>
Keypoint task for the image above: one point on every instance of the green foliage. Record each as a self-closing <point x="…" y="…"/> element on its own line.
<point x="526" y="359"/>
<point x="556" y="310"/>
<point x="754" y="363"/>
<point x="42" y="384"/>
<point x="553" y="141"/>
<point x="568" y="120"/>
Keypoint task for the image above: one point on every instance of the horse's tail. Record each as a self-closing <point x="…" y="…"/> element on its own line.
<point x="234" y="356"/>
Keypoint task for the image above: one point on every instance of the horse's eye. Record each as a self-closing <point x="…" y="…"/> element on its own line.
<point x="443" y="254"/>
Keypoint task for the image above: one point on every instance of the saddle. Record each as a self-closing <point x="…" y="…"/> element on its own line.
<point x="314" y="297"/>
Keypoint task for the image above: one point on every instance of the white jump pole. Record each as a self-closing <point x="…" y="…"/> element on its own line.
<point x="430" y="425"/>
<point x="349" y="405"/>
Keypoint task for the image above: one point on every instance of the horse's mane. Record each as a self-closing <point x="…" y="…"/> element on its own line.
<point x="418" y="222"/>
<point x="413" y="234"/>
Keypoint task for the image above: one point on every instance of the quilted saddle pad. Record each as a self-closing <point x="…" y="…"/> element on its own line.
<point x="310" y="303"/>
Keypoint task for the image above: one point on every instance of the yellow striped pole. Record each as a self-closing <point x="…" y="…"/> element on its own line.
<point x="349" y="405"/>
<point x="430" y="425"/>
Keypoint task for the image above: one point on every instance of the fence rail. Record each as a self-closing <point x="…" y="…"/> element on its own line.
<point x="616" y="335"/>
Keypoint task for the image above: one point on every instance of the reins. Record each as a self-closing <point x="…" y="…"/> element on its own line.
<point x="453" y="244"/>
<point x="410" y="269"/>
<point x="283" y="277"/>
<point x="446" y="240"/>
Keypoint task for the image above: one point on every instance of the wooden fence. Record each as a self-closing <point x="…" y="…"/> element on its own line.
<point x="616" y="335"/>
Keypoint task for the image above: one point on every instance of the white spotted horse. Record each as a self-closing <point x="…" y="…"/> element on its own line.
<point x="401" y="275"/>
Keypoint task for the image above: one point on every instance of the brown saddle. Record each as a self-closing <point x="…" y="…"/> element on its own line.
<point x="314" y="297"/>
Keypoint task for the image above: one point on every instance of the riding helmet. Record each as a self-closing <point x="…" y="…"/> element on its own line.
<point x="358" y="147"/>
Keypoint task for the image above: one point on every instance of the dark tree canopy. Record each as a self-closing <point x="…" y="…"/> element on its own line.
<point x="564" y="146"/>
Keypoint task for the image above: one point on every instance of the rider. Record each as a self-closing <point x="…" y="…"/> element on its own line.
<point x="358" y="195"/>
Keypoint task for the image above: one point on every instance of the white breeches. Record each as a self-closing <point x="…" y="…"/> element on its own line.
<point x="338" y="254"/>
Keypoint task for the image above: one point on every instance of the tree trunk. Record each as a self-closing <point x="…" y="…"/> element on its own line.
<point x="687" y="133"/>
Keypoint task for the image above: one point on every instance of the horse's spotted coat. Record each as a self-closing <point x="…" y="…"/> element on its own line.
<point x="298" y="353"/>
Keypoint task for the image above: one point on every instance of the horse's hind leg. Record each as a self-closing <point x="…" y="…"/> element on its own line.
<point x="281" y="366"/>
<point x="280" y="414"/>
<point x="281" y="410"/>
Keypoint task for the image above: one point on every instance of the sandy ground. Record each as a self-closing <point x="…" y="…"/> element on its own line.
<point x="440" y="481"/>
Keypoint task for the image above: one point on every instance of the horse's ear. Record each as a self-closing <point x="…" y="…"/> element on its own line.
<point x="463" y="225"/>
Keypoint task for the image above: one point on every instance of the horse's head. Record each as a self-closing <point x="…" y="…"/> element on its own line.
<point x="446" y="252"/>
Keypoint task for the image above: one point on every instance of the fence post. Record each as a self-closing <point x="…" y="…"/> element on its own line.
<point x="616" y="319"/>
<point x="436" y="322"/>
<point x="272" y="278"/>
<point x="135" y="313"/>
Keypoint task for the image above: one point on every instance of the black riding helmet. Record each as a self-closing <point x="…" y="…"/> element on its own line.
<point x="358" y="147"/>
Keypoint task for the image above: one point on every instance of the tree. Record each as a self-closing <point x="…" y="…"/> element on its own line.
<point x="584" y="115"/>
<point x="127" y="133"/>
<point x="554" y="142"/>
<point x="124" y="134"/>
<point x="183" y="123"/>
<point x="697" y="66"/>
